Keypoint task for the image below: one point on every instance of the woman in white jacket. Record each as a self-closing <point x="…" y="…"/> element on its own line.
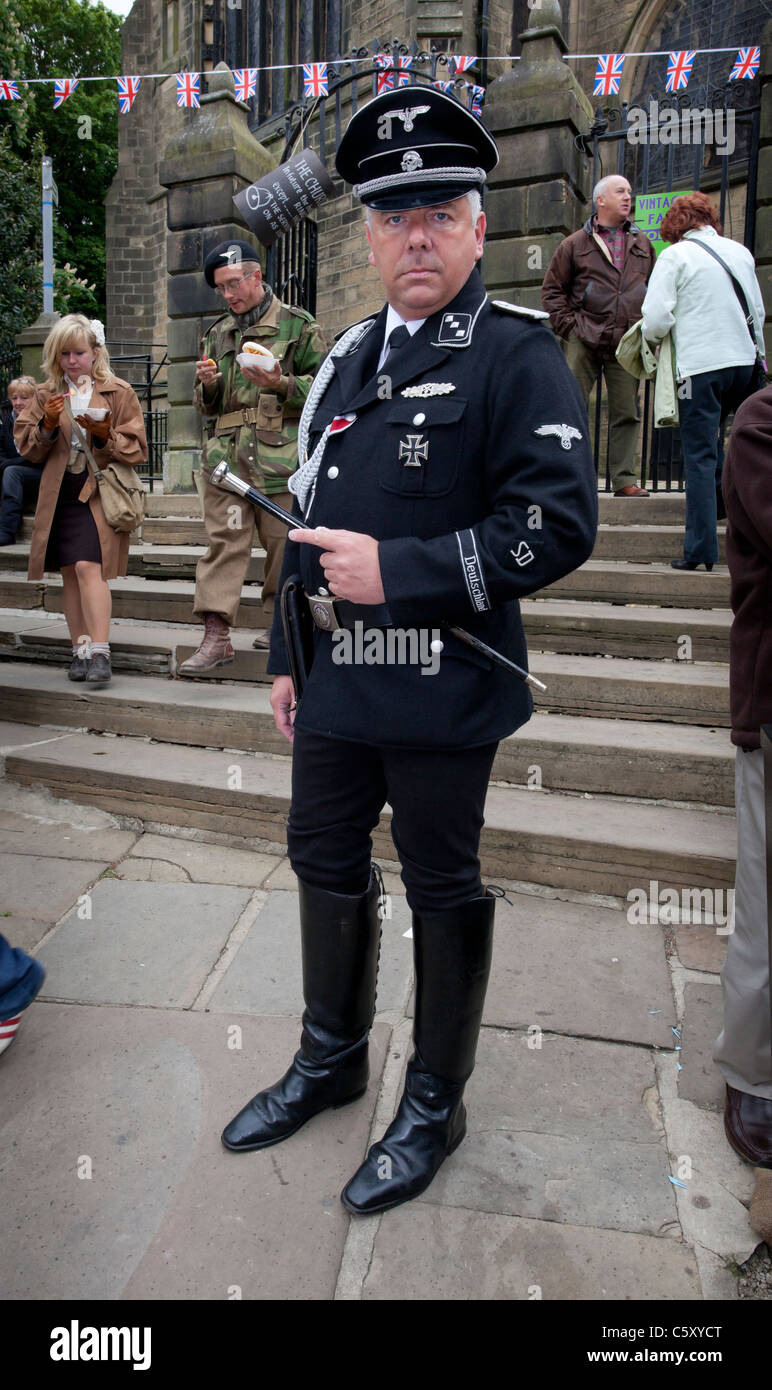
<point x="692" y="296"/>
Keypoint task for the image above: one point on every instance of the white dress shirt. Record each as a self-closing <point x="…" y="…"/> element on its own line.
<point x="393" y="320"/>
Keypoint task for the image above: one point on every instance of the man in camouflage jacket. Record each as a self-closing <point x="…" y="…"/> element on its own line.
<point x="255" y="415"/>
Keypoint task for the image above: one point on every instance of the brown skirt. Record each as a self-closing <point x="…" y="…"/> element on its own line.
<point x="73" y="535"/>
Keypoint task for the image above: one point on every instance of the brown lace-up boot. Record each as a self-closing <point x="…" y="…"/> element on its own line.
<point x="215" y="650"/>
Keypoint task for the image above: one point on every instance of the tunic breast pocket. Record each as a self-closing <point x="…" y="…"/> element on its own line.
<point x="421" y="447"/>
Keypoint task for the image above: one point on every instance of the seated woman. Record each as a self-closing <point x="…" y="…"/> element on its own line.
<point x="19" y="479"/>
<point x="70" y="531"/>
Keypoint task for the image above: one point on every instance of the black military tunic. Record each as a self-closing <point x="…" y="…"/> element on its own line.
<point x="476" y="477"/>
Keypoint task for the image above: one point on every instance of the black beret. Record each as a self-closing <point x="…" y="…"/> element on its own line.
<point x="414" y="147"/>
<point x="228" y="253"/>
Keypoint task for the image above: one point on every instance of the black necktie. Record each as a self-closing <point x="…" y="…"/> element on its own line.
<point x="396" y="341"/>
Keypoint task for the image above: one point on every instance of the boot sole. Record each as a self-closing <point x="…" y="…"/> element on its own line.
<point x="399" y="1201"/>
<point x="269" y="1143"/>
<point x="204" y="670"/>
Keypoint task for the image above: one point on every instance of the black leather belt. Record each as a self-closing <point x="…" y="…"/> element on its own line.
<point x="330" y="614"/>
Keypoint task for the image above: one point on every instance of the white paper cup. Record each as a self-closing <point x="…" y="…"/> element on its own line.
<point x="94" y="412"/>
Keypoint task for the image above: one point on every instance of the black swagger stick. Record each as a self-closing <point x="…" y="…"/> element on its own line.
<point x="221" y="476"/>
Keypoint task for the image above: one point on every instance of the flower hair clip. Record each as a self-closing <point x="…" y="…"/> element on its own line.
<point x="98" y="330"/>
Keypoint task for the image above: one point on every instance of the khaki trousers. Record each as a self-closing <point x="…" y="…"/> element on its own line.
<point x="742" y="1049"/>
<point x="622" y="392"/>
<point x="231" y="522"/>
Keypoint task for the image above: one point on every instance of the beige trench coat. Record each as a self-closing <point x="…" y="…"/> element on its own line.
<point x="126" y="443"/>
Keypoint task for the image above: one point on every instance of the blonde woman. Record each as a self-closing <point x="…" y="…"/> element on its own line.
<point x="20" y="480"/>
<point x="70" y="532"/>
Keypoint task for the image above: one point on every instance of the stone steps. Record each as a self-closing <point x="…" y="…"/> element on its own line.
<point x="600" y="844"/>
<point x="624" y="758"/>
<point x="641" y="544"/>
<point x="660" y="508"/>
<point x="616" y="688"/>
<point x="149" y="560"/>
<point x="557" y="625"/>
<point x="608" y="581"/>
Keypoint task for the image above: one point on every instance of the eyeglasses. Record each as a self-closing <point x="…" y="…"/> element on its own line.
<point x="233" y="286"/>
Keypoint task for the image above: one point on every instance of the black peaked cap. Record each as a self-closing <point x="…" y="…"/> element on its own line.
<point x="414" y="147"/>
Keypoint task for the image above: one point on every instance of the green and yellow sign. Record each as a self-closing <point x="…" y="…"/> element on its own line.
<point x="650" y="208"/>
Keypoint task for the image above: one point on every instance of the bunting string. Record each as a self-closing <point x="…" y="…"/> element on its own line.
<point x="316" y="76"/>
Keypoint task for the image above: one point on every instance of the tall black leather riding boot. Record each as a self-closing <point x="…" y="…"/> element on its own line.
<point x="340" y="936"/>
<point x="452" y="951"/>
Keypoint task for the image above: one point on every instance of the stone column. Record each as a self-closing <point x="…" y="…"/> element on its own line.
<point x="764" y="183"/>
<point x="213" y="157"/>
<point x="30" y="341"/>
<point x="539" y="191"/>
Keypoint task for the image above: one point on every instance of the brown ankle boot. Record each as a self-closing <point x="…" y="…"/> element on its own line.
<point x="215" y="650"/>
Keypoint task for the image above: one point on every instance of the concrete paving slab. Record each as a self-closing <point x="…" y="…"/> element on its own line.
<point x="22" y="834"/>
<point x="717" y="1185"/>
<point x="153" y="871"/>
<point x="23" y="931"/>
<point x="167" y="1213"/>
<point x="203" y="863"/>
<point x="144" y="943"/>
<point x="13" y="735"/>
<point x="700" y="1080"/>
<point x="579" y="968"/>
<point x="562" y="1133"/>
<point x="700" y="947"/>
<point x="437" y="1253"/>
<point x="284" y="876"/>
<point x="266" y="977"/>
<point x="45" y="886"/>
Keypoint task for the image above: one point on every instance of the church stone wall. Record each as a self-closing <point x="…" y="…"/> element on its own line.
<point x="156" y="37"/>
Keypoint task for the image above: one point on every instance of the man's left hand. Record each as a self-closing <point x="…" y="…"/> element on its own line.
<point x="260" y="378"/>
<point x="350" y="563"/>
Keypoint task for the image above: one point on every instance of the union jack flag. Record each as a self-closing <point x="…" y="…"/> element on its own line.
<point x="8" y="90"/>
<point x="403" y="76"/>
<point x="127" y="90"/>
<point x="464" y="62"/>
<point x="63" y="88"/>
<point x="746" y="63"/>
<point x="679" y="69"/>
<point x="386" y="75"/>
<point x="246" y="83"/>
<point x="188" y="89"/>
<point x="315" y="81"/>
<point x="608" y="74"/>
<point x="478" y="96"/>
<point x="445" y="86"/>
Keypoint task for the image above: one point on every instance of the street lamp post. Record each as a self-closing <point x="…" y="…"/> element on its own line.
<point x="50" y="197"/>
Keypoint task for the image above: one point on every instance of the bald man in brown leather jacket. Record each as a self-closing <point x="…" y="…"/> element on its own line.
<point x="593" y="292"/>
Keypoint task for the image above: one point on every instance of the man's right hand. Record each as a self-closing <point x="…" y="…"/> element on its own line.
<point x="206" y="371"/>
<point x="51" y="412"/>
<point x="283" y="706"/>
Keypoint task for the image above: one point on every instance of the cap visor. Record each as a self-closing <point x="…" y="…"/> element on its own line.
<point x="419" y="196"/>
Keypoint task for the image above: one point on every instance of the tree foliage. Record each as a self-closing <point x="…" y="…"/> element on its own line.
<point x="38" y="39"/>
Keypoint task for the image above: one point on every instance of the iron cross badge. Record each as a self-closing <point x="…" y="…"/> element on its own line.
<point x="413" y="450"/>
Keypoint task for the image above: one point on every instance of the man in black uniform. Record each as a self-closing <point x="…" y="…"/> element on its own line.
<point x="446" y="471"/>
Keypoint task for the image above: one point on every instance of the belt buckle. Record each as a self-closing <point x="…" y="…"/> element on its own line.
<point x="323" y="613"/>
